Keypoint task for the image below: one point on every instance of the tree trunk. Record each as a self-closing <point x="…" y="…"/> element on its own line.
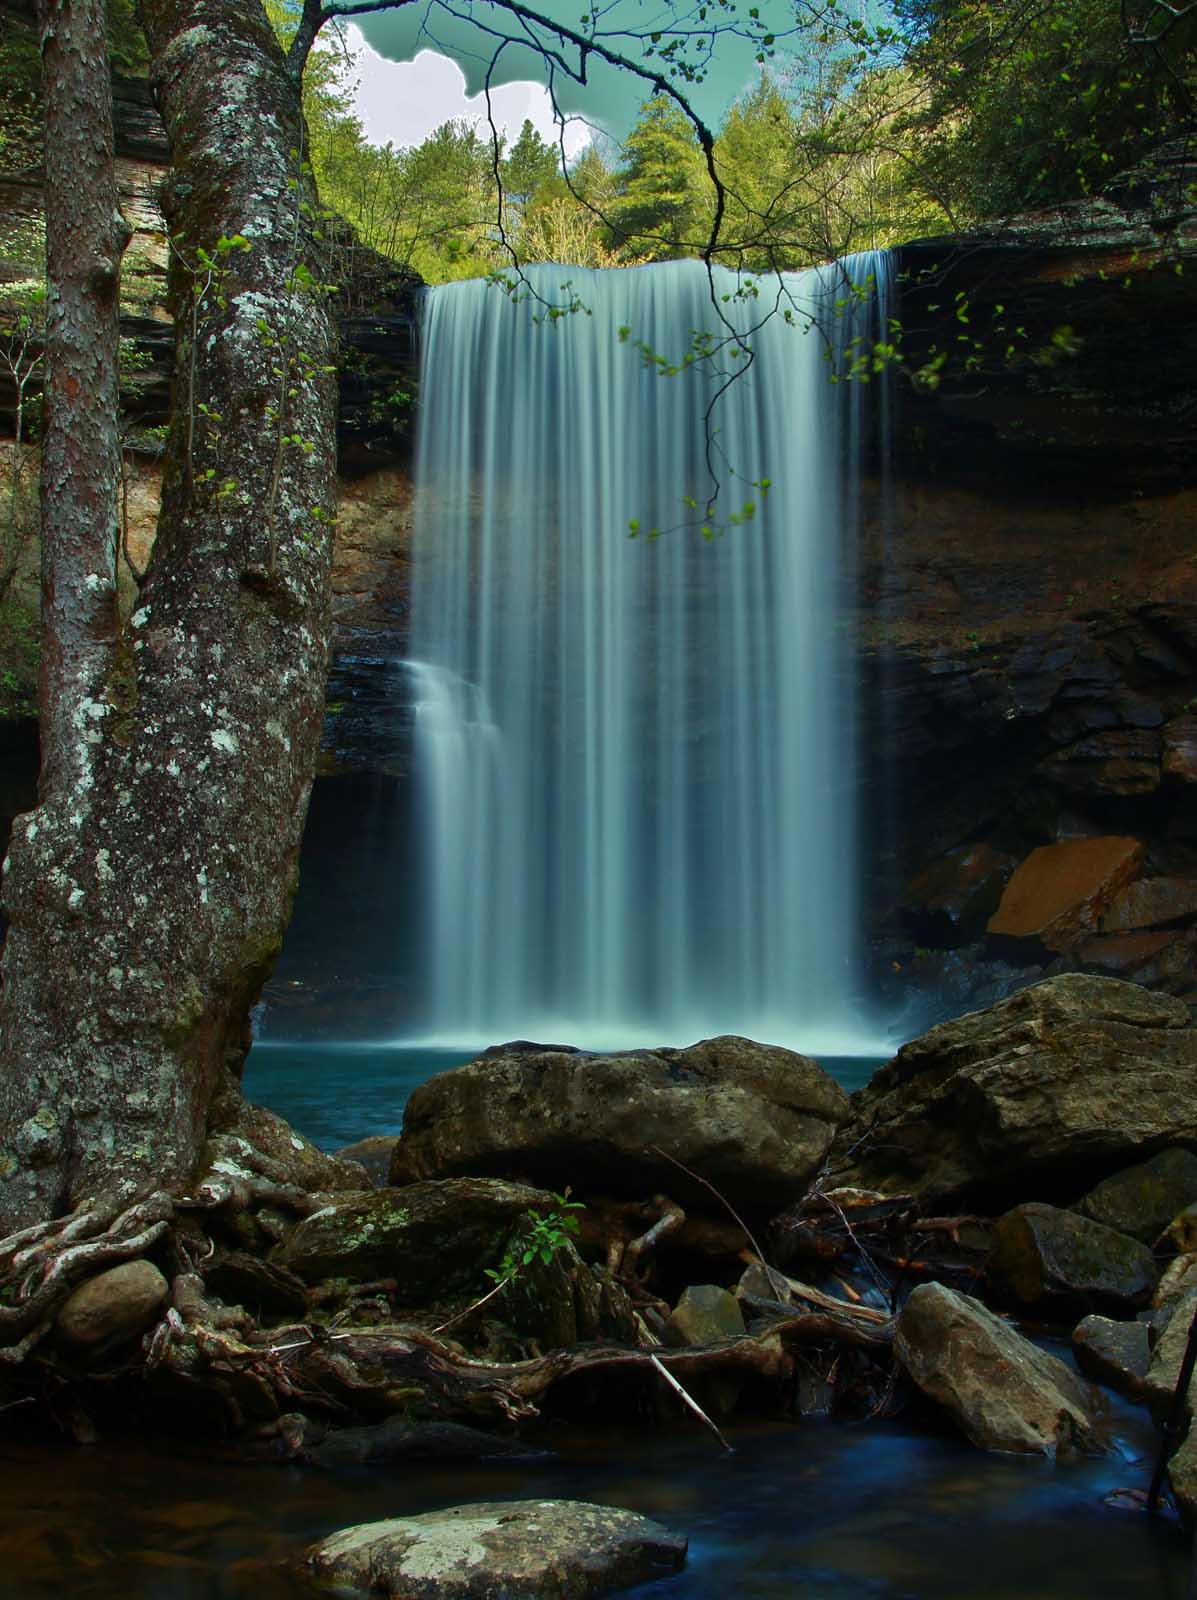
<point x="148" y="892"/>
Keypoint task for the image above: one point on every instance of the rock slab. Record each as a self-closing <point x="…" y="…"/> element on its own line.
<point x="1076" y="1074"/>
<point x="519" y="1549"/>
<point x="1061" y="891"/>
<point x="755" y="1120"/>
<point x="1004" y="1393"/>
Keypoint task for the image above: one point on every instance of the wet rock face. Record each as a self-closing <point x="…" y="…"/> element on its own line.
<point x="1060" y="1082"/>
<point x="1003" y="1392"/>
<point x="1047" y="1259"/>
<point x="520" y="1549"/>
<point x="754" y="1120"/>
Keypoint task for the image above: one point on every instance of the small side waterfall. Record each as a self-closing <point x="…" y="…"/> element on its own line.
<point x="637" y="756"/>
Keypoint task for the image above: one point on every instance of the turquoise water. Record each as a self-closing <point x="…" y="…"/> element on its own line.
<point x="335" y="1094"/>
<point x="338" y="1093"/>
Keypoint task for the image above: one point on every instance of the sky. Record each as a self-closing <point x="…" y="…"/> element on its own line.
<point x="408" y="87"/>
<point x="401" y="103"/>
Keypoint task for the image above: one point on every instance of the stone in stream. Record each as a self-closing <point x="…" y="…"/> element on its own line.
<point x="1116" y="1353"/>
<point x="1048" y="1258"/>
<point x="1004" y="1392"/>
<point x="753" y="1120"/>
<point x="1076" y="1074"/>
<point x="517" y="1549"/>
<point x="1142" y="1200"/>
<point x="112" y="1306"/>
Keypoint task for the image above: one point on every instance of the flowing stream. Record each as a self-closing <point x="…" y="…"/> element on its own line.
<point x="637" y="756"/>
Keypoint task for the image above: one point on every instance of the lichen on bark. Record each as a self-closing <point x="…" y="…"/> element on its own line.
<point x="148" y="892"/>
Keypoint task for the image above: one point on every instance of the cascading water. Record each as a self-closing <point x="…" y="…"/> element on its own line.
<point x="637" y="756"/>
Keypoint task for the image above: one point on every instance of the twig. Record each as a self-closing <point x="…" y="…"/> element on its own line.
<point x="489" y="1295"/>
<point x="693" y="1404"/>
<point x="722" y="1199"/>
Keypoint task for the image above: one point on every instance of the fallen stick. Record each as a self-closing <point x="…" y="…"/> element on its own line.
<point x="693" y="1404"/>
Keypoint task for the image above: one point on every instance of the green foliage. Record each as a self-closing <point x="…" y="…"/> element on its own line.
<point x="537" y="1237"/>
<point x="1028" y="104"/>
<point x="664" y="204"/>
<point x="530" y="164"/>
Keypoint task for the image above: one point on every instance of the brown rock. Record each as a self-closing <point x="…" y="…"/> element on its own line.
<point x="112" y="1306"/>
<point x="1004" y="1393"/>
<point x="1150" y="902"/>
<point x="1163" y="1375"/>
<point x="1059" y="893"/>
<point x="520" y="1549"/>
<point x="1142" y="1200"/>
<point x="1122" y="761"/>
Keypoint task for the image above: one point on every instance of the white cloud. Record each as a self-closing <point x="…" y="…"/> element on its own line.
<point x="402" y="102"/>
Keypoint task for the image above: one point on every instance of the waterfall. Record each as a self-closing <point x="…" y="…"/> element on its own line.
<point x="636" y="756"/>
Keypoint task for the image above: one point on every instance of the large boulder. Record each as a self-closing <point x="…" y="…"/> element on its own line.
<point x="756" y="1121"/>
<point x="1060" y="1083"/>
<point x="520" y="1549"/>
<point x="1050" y="1259"/>
<point x="1004" y="1393"/>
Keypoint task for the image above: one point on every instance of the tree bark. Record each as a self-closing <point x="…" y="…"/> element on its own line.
<point x="148" y="892"/>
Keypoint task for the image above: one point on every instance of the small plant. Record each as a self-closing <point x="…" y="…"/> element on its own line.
<point x="537" y="1235"/>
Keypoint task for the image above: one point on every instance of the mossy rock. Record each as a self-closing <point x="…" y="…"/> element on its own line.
<point x="434" y="1239"/>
